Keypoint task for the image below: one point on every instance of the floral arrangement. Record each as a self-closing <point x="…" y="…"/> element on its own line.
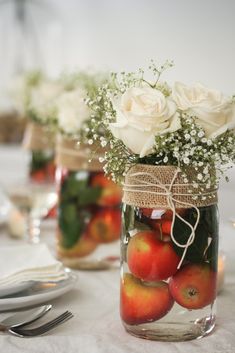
<point x="41" y="102"/>
<point x="58" y="104"/>
<point x="19" y="90"/>
<point x="149" y="122"/>
<point x="71" y="109"/>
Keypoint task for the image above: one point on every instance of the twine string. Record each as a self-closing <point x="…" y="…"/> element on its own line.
<point x="166" y="191"/>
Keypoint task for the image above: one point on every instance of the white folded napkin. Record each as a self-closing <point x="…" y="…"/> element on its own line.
<point x="29" y="263"/>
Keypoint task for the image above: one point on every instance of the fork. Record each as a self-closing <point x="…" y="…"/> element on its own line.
<point x="40" y="330"/>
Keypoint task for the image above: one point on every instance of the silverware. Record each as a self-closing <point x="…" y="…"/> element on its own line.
<point x="40" y="330"/>
<point x="24" y="317"/>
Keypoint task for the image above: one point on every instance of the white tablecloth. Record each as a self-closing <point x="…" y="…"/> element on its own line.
<point x="96" y="327"/>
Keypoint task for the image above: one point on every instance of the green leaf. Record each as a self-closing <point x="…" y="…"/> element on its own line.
<point x="71" y="233"/>
<point x="77" y="189"/>
<point x="40" y="159"/>
<point x="75" y="186"/>
<point x="206" y="231"/>
<point x="72" y="224"/>
<point x="68" y="212"/>
<point x="89" y="195"/>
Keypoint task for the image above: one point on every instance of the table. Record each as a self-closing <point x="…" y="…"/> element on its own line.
<point x="96" y="327"/>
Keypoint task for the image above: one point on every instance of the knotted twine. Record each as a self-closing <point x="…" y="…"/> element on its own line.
<point x="38" y="137"/>
<point x="151" y="186"/>
<point x="76" y="156"/>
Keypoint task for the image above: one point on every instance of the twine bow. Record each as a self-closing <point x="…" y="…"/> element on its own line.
<point x="167" y="191"/>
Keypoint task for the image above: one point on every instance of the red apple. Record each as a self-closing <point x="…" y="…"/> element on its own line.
<point x="142" y="303"/>
<point x="50" y="171"/>
<point x="161" y="219"/>
<point x="38" y="176"/>
<point x="111" y="193"/>
<point x="166" y="220"/>
<point x="166" y="227"/>
<point x="151" y="259"/>
<point x="194" y="286"/>
<point x="105" y="226"/>
<point x="147" y="212"/>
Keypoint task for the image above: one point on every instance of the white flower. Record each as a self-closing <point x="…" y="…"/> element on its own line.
<point x="141" y="114"/>
<point x="201" y="134"/>
<point x="187" y="137"/>
<point x="165" y="159"/>
<point x="214" y="112"/>
<point x="72" y="110"/>
<point x="42" y="99"/>
<point x="199" y="176"/>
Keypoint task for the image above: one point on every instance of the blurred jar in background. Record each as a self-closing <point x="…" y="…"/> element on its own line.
<point x="40" y="142"/>
<point x="89" y="214"/>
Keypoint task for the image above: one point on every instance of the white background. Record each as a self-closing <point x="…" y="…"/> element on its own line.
<point x="124" y="35"/>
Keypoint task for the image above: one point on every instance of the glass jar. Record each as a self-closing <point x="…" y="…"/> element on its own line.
<point x="89" y="219"/>
<point x="168" y="290"/>
<point x="42" y="166"/>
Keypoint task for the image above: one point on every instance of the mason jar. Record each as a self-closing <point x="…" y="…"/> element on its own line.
<point x="89" y="211"/>
<point x="42" y="166"/>
<point x="169" y="258"/>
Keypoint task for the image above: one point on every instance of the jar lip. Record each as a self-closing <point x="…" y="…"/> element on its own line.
<point x="75" y="156"/>
<point x="38" y="137"/>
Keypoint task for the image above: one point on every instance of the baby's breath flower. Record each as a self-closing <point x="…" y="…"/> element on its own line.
<point x="187" y="137"/>
<point x="201" y="133"/>
<point x="188" y="147"/>
<point x="199" y="176"/>
<point x="165" y="159"/>
<point x="186" y="160"/>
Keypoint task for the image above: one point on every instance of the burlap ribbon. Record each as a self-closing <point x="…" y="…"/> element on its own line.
<point x="38" y="137"/>
<point x="76" y="156"/>
<point x="150" y="186"/>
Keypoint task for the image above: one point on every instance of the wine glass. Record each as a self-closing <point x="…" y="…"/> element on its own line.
<point x="34" y="201"/>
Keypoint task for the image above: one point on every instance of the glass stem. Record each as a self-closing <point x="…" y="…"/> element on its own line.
<point x="34" y="230"/>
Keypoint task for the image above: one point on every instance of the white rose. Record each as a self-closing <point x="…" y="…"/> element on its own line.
<point x="42" y="99"/>
<point x="214" y="112"/>
<point x="72" y="111"/>
<point x="141" y="114"/>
